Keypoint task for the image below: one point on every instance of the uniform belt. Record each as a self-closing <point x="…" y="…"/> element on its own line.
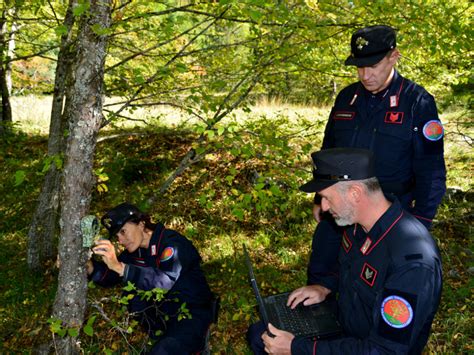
<point x="397" y="188"/>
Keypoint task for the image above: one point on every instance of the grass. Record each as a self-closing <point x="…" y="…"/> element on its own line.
<point x="204" y="205"/>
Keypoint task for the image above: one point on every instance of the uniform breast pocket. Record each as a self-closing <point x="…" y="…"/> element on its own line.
<point x="392" y="147"/>
<point x="366" y="295"/>
<point x="362" y="301"/>
<point x="344" y="131"/>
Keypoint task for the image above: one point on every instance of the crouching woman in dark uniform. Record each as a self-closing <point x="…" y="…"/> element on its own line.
<point x="156" y="257"/>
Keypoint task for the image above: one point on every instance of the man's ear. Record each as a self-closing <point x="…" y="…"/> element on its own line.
<point x="393" y="58"/>
<point x="355" y="192"/>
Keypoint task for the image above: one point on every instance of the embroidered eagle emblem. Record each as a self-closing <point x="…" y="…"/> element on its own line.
<point x="361" y="42"/>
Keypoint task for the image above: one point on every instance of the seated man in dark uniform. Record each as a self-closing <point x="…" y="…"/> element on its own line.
<point x="389" y="278"/>
<point x="156" y="257"/>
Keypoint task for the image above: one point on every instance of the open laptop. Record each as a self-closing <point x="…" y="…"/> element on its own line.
<point x="318" y="321"/>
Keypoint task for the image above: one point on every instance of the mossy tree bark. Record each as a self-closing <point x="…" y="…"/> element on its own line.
<point x="84" y="113"/>
<point x="44" y="226"/>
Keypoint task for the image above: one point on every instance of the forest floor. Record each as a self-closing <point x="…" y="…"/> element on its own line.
<point x="243" y="192"/>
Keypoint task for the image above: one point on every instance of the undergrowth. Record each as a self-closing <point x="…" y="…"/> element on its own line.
<point x="243" y="191"/>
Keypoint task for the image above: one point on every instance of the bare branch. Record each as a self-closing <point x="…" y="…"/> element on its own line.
<point x="158" y="13"/>
<point x="160" y="44"/>
<point x="58" y="21"/>
<point x="37" y="54"/>
<point x="152" y="78"/>
<point x="118" y="135"/>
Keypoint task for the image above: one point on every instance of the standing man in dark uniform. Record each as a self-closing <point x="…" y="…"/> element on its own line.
<point x="398" y="121"/>
<point x="156" y="257"/>
<point x="390" y="278"/>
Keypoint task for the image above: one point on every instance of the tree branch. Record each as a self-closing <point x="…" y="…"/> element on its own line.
<point x="160" y="44"/>
<point x="152" y="78"/>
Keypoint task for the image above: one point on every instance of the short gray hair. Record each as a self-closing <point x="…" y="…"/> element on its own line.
<point x="370" y="185"/>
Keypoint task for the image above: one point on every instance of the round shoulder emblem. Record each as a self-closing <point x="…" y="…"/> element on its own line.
<point x="396" y="312"/>
<point x="167" y="254"/>
<point x="433" y="130"/>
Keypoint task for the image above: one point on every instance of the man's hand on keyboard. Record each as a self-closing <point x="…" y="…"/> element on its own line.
<point x="307" y="295"/>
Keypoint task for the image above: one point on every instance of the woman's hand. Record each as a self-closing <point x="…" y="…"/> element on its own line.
<point x="106" y="249"/>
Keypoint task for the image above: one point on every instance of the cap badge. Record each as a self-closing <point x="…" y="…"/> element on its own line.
<point x="396" y="312"/>
<point x="361" y="42"/>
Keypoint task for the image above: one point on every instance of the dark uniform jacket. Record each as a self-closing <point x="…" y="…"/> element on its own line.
<point x="170" y="262"/>
<point x="401" y="126"/>
<point x="389" y="288"/>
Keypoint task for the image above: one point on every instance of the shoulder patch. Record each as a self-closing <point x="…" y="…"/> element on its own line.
<point x="433" y="130"/>
<point x="167" y="254"/>
<point x="396" y="312"/>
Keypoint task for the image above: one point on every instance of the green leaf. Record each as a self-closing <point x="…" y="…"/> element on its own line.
<point x="239" y="213"/>
<point x="91" y="320"/>
<point x="275" y="190"/>
<point x="99" y="30"/>
<point x="58" y="161"/>
<point x="199" y="129"/>
<point x="88" y="330"/>
<point x="210" y="133"/>
<point x="255" y="15"/>
<point x="19" y="177"/>
<point x="181" y="68"/>
<point x="81" y="8"/>
<point x="91" y="285"/>
<point x="73" y="332"/>
<point x="200" y="150"/>
<point x="130" y="287"/>
<point x="60" y="30"/>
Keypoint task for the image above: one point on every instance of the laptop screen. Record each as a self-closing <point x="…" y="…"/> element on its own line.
<point x="253" y="283"/>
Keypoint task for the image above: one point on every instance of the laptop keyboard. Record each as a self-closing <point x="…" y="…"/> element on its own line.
<point x="297" y="321"/>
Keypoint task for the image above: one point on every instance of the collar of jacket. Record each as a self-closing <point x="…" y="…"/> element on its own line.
<point x="381" y="228"/>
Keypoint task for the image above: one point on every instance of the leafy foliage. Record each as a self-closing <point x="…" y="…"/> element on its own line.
<point x="202" y="57"/>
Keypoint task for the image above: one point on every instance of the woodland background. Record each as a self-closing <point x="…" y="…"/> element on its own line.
<point x="204" y="114"/>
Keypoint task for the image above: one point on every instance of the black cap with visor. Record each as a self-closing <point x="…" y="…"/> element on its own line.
<point x="115" y="219"/>
<point x="370" y="44"/>
<point x="331" y="166"/>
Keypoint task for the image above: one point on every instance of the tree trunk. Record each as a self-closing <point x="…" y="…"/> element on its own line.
<point x="10" y="52"/>
<point x="5" y="108"/>
<point x="84" y="118"/>
<point x="44" y="223"/>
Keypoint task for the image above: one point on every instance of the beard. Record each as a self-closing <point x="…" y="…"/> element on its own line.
<point x="345" y="217"/>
